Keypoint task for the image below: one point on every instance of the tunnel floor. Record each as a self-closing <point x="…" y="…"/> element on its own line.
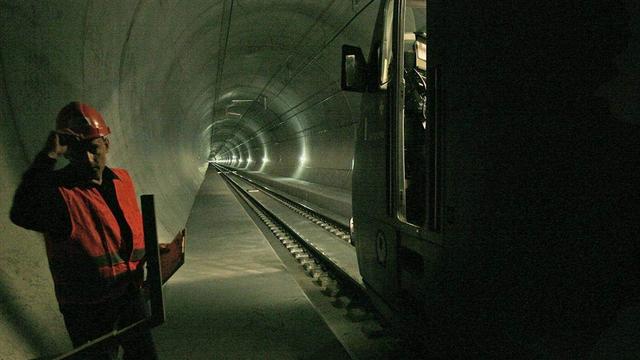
<point x="234" y="298"/>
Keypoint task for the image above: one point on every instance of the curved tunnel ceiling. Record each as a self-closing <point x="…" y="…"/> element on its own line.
<point x="190" y="81"/>
<point x="287" y="68"/>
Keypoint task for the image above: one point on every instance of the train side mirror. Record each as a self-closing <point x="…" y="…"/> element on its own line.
<point x="354" y="69"/>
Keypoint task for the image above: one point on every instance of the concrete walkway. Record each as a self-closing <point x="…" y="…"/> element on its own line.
<point x="233" y="298"/>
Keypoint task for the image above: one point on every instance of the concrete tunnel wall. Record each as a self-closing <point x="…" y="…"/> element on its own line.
<point x="165" y="76"/>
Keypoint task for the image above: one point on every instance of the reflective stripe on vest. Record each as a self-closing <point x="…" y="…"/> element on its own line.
<point x="87" y="265"/>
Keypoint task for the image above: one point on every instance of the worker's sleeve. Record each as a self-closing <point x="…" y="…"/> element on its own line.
<point x="37" y="204"/>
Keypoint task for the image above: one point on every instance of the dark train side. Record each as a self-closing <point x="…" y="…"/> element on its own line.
<point x="495" y="183"/>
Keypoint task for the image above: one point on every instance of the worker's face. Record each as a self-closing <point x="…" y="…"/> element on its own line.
<point x="89" y="157"/>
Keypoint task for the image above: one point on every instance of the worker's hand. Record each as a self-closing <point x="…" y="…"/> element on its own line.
<point x="55" y="145"/>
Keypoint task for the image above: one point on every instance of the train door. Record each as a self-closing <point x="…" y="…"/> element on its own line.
<point x="415" y="153"/>
<point x="375" y="237"/>
<point x="389" y="178"/>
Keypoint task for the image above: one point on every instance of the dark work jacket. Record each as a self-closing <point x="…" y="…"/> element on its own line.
<point x="93" y="233"/>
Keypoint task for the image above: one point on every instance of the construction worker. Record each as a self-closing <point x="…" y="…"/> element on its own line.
<point x="93" y="232"/>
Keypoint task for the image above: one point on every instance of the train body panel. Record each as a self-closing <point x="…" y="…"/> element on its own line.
<point x="377" y="258"/>
<point x="527" y="244"/>
<point x="384" y="235"/>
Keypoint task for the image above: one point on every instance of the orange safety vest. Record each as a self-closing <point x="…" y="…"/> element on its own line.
<point x="86" y="266"/>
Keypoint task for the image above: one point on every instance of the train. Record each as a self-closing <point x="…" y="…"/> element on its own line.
<point x="495" y="179"/>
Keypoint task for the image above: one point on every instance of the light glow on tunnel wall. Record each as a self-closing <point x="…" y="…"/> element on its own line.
<point x="265" y="156"/>
<point x="265" y="160"/>
<point x="302" y="159"/>
<point x="248" y="159"/>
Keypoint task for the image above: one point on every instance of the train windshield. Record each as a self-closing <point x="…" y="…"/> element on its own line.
<point x="385" y="50"/>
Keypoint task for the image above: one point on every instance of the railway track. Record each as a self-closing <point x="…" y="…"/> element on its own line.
<point x="324" y="251"/>
<point x="320" y="245"/>
<point x="336" y="227"/>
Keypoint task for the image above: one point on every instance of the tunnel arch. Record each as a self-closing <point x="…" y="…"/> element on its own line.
<point x="161" y="73"/>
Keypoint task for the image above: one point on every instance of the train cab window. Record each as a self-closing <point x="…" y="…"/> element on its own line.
<point x="414" y="116"/>
<point x="385" y="52"/>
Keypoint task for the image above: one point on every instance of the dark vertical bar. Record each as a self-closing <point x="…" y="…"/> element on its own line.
<point x="435" y="139"/>
<point x="154" y="277"/>
<point x="396" y="194"/>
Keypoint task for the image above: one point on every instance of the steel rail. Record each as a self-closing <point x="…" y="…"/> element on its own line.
<point x="317" y="264"/>
<point x="334" y="226"/>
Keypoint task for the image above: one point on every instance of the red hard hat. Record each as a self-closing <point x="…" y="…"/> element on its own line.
<point x="82" y="121"/>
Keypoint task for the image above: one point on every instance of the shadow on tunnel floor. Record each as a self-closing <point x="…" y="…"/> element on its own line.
<point x="17" y="317"/>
